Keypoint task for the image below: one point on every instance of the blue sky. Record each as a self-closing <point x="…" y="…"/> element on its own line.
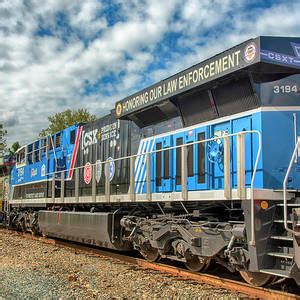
<point x="58" y="54"/>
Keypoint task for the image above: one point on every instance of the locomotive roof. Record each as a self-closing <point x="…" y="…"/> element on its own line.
<point x="263" y="54"/>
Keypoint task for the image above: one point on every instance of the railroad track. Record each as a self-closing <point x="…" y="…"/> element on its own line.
<point x="213" y="280"/>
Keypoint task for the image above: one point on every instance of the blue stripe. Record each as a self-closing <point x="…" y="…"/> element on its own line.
<point x="143" y="160"/>
<point x="139" y="161"/>
<point x="143" y="178"/>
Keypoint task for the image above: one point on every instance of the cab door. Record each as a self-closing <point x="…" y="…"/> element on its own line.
<point x="167" y="180"/>
<point x="217" y="169"/>
<point x="163" y="165"/>
<point x="158" y="163"/>
<point x="180" y="139"/>
<point x="201" y="165"/>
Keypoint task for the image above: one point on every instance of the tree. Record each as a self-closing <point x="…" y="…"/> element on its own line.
<point x="67" y="118"/>
<point x="13" y="149"/>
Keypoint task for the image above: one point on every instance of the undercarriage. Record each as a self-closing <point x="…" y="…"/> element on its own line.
<point x="194" y="233"/>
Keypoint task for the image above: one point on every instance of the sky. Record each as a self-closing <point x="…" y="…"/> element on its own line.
<point x="61" y="54"/>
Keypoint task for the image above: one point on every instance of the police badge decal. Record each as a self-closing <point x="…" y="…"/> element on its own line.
<point x="250" y="52"/>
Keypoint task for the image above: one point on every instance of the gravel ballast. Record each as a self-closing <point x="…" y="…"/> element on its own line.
<point x="31" y="269"/>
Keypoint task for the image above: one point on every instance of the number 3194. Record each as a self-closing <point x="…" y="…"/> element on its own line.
<point x="285" y="89"/>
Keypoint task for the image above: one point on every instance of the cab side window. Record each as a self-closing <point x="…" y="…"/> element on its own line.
<point x="51" y="141"/>
<point x="72" y="137"/>
<point x="201" y="158"/>
<point x="30" y="148"/>
<point x="21" y="157"/>
<point x="37" y="151"/>
<point x="43" y="146"/>
<point x="57" y="140"/>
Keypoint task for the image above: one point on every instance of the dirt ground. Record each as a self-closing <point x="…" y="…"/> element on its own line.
<point x="31" y="269"/>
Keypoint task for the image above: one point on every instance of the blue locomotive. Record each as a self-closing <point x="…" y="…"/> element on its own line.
<point x="37" y="161"/>
<point x="201" y="166"/>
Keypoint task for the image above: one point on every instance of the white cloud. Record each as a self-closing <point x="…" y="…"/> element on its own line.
<point x="232" y="24"/>
<point x="46" y="73"/>
<point x="85" y="18"/>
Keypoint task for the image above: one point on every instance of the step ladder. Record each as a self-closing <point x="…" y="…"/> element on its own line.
<point x="284" y="243"/>
<point x="282" y="250"/>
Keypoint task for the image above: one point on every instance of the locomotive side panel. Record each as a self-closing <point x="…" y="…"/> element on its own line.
<point x="106" y="139"/>
<point x="280" y="128"/>
<point x="205" y="165"/>
<point x="280" y="132"/>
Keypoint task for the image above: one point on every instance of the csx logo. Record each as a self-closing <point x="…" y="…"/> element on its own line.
<point x="89" y="138"/>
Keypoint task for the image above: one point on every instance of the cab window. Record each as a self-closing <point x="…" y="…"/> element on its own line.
<point x="51" y="142"/>
<point x="37" y="151"/>
<point x="72" y="137"/>
<point x="57" y="140"/>
<point x="30" y="152"/>
<point x="21" y="157"/>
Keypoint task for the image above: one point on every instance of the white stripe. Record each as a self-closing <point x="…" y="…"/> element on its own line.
<point x="280" y="108"/>
<point x="144" y="174"/>
<point x="141" y="175"/>
<point x="141" y="166"/>
<point x="139" y="159"/>
<point x="143" y="181"/>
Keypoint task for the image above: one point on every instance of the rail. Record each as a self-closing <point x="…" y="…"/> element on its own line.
<point x="285" y="204"/>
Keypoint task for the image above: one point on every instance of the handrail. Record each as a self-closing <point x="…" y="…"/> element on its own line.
<point x="55" y="158"/>
<point x="169" y="148"/>
<point x="252" y="211"/>
<point x="285" y="192"/>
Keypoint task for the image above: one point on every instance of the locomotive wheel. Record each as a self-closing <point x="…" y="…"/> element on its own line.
<point x="150" y="253"/>
<point x="207" y="265"/>
<point x="256" y="278"/>
<point x="193" y="263"/>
